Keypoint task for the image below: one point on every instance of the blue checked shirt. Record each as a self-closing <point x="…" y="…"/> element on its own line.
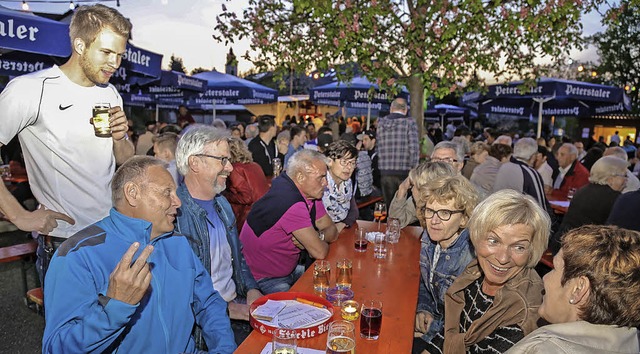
<point x="397" y="141"/>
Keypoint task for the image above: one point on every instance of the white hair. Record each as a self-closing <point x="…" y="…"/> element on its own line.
<point x="194" y="141"/>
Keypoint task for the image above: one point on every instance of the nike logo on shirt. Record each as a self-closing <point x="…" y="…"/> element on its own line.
<point x="65" y="107"/>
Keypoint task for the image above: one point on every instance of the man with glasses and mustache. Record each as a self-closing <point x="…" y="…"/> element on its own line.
<point x="207" y="220"/>
<point x="69" y="167"/>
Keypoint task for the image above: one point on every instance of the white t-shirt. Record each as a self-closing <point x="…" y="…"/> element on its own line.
<point x="546" y="172"/>
<point x="69" y="168"/>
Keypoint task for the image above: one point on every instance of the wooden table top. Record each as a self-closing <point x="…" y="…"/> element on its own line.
<point x="393" y="280"/>
<point x="558" y="209"/>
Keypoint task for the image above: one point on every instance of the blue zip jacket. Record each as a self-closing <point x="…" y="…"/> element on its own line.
<point x="451" y="263"/>
<point x="192" y="222"/>
<point x="81" y="319"/>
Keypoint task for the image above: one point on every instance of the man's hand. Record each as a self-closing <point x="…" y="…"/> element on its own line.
<point x="253" y="295"/>
<point x="423" y="321"/>
<point x="118" y="123"/>
<point x="41" y="220"/>
<point x="129" y="282"/>
<point x="404" y="188"/>
<point x="238" y="311"/>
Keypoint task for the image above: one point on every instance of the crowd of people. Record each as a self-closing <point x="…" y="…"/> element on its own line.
<point x="168" y="252"/>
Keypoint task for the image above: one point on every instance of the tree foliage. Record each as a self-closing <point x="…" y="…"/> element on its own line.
<point x="434" y="45"/>
<point x="199" y="70"/>
<point x="619" y="48"/>
<point x="175" y="64"/>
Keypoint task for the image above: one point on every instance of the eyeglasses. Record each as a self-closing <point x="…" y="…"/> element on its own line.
<point x="345" y="163"/>
<point x="223" y="159"/>
<point x="443" y="214"/>
<point x="443" y="159"/>
<point x="620" y="175"/>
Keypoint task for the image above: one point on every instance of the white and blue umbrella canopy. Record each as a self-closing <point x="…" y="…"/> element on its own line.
<point x="558" y="97"/>
<point x="224" y="89"/>
<point x="26" y="32"/>
<point x="353" y="94"/>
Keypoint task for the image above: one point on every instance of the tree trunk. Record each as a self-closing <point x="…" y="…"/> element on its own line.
<point x="416" y="90"/>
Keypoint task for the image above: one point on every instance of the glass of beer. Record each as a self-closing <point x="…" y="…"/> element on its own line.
<point x="321" y="275"/>
<point x="361" y="240"/>
<point x="344" y="271"/>
<point x="100" y="120"/>
<point x="370" y="319"/>
<point x="341" y="337"/>
<point x="284" y="341"/>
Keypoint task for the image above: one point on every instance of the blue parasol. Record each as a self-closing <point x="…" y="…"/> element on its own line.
<point x="26" y="32"/>
<point x="550" y="97"/>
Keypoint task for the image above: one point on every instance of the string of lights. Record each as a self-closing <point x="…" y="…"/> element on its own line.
<point x="72" y="3"/>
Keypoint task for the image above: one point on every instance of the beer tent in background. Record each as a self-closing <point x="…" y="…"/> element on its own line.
<point x="549" y="97"/>
<point x="354" y="94"/>
<point x="227" y="90"/>
<point x="173" y="89"/>
<point x="139" y="67"/>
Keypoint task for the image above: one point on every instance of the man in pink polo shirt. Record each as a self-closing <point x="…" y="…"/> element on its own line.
<point x="288" y="219"/>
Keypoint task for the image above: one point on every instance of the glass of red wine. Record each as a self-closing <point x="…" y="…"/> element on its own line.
<point x="371" y="319"/>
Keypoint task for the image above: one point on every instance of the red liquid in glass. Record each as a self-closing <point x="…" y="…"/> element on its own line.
<point x="370" y="323"/>
<point x="361" y="245"/>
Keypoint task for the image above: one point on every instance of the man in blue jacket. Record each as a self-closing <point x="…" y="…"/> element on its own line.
<point x="207" y="221"/>
<point x="128" y="283"/>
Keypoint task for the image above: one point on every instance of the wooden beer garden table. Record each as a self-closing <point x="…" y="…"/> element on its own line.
<point x="393" y="280"/>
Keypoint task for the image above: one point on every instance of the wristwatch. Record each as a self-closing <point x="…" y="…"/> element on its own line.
<point x="321" y="235"/>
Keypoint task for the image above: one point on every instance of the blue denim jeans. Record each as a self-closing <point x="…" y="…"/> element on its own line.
<point x="275" y="285"/>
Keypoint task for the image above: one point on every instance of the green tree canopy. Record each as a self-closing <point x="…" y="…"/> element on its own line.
<point x="432" y="46"/>
<point x="175" y="64"/>
<point x="619" y="49"/>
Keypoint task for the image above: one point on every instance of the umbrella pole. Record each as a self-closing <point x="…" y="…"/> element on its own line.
<point x="214" y="111"/>
<point x="157" y="112"/>
<point x="368" y="115"/>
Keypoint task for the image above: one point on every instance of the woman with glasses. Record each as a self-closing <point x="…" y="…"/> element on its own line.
<point x="494" y="302"/>
<point x="592" y="203"/>
<point x="403" y="205"/>
<point x="339" y="196"/>
<point x="444" y="209"/>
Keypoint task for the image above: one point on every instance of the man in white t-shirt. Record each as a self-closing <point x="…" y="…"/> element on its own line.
<point x="69" y="168"/>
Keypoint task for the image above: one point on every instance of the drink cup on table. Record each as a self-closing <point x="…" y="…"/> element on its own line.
<point x="393" y="230"/>
<point x="284" y="342"/>
<point x="341" y="337"/>
<point x="380" y="245"/>
<point x="371" y="319"/>
<point x="100" y="120"/>
<point x="344" y="271"/>
<point x="321" y="275"/>
<point x="380" y="212"/>
<point x="361" y="240"/>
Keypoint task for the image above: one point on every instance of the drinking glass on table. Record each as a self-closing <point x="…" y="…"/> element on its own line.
<point x="321" y="275"/>
<point x="393" y="230"/>
<point x="380" y="212"/>
<point x="370" y="319"/>
<point x="284" y="341"/>
<point x="380" y="245"/>
<point x="344" y="271"/>
<point x="341" y="337"/>
<point x="361" y="240"/>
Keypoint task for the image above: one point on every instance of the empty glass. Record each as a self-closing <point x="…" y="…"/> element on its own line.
<point x="393" y="230"/>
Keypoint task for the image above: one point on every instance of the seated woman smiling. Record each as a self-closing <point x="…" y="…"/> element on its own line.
<point x="494" y="302"/>
<point x="592" y="296"/>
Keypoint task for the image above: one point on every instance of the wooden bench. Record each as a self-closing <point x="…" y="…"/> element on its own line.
<point x="369" y="201"/>
<point x="35" y="300"/>
<point x="20" y="252"/>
